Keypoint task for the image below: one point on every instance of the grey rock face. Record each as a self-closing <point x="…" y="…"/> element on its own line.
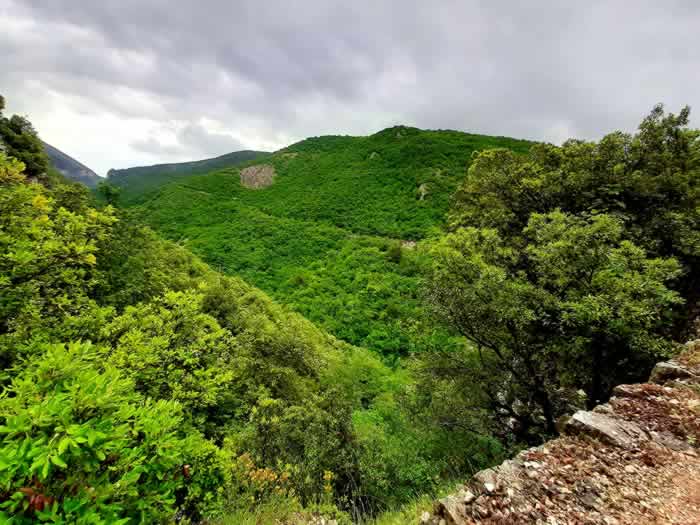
<point x="670" y="371"/>
<point x="607" y="429"/>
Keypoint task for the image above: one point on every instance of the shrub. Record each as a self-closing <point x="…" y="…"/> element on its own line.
<point x="81" y="446"/>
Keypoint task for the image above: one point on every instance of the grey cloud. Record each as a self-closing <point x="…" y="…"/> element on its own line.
<point x="272" y="72"/>
<point x="192" y="141"/>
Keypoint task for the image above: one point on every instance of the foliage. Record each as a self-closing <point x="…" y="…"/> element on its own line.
<point x="19" y="139"/>
<point x="578" y="308"/>
<point x="562" y="269"/>
<point x="171" y="350"/>
<point x="80" y="446"/>
<point x="140" y="384"/>
<point x="47" y="264"/>
<point x="246" y="376"/>
<point x="649" y="180"/>
<point x="139" y="181"/>
<point x="324" y="238"/>
<point x="109" y="192"/>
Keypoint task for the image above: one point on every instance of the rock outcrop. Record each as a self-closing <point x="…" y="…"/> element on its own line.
<point x="635" y="459"/>
<point x="256" y="177"/>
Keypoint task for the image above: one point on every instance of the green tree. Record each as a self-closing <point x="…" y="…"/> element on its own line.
<point x="47" y="265"/>
<point x="20" y="140"/>
<point x="579" y="307"/>
<point x="174" y="351"/>
<point x="649" y="180"/>
<point x="109" y="192"/>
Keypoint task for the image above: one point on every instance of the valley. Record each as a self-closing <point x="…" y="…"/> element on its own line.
<point x="328" y="237"/>
<point x="339" y="330"/>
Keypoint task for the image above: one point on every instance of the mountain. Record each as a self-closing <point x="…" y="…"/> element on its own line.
<point x="139" y="180"/>
<point x="328" y="225"/>
<point x="71" y="168"/>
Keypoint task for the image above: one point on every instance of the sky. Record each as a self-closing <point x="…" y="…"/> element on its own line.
<point x="119" y="83"/>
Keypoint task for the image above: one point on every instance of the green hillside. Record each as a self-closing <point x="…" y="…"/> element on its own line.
<point x="138" y="181"/>
<point x="326" y="237"/>
<point x="139" y="384"/>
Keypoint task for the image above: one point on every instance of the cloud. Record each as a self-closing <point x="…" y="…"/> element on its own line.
<point x="121" y="82"/>
<point x="191" y="140"/>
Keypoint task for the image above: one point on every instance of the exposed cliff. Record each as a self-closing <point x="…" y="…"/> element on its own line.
<point x="634" y="459"/>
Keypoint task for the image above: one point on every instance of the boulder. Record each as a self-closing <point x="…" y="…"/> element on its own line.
<point x="606" y="428"/>
<point x="670" y="371"/>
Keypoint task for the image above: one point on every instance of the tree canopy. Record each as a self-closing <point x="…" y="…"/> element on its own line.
<point x="569" y="267"/>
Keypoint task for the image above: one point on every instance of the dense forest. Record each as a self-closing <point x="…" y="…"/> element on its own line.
<point x="393" y="313"/>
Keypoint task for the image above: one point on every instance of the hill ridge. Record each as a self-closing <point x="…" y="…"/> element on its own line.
<point x="137" y="181"/>
<point x="71" y="168"/>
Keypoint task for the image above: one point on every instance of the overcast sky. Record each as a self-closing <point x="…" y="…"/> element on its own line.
<point x="117" y="83"/>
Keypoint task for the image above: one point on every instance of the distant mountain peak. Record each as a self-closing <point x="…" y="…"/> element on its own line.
<point x="71" y="168"/>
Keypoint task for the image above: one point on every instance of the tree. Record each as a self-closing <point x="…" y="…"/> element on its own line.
<point x="174" y="351"/>
<point x="649" y="180"/>
<point x="21" y="141"/>
<point x="80" y="446"/>
<point x="47" y="265"/>
<point x="109" y="192"/>
<point x="579" y="307"/>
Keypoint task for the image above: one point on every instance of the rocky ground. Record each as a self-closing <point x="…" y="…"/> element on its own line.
<point x="634" y="460"/>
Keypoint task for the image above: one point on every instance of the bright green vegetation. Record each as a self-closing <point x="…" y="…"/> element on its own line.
<point x="326" y="237"/>
<point x="569" y="269"/>
<point x="139" y="384"/>
<point x="138" y="181"/>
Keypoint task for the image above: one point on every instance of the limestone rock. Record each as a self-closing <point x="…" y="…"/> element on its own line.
<point x="632" y="460"/>
<point x="670" y="371"/>
<point x="607" y="429"/>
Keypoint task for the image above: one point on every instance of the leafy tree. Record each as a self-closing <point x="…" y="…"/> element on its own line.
<point x="649" y="180"/>
<point x="579" y="307"/>
<point x="174" y="351"/>
<point x="47" y="265"/>
<point x="20" y="140"/>
<point x="109" y="192"/>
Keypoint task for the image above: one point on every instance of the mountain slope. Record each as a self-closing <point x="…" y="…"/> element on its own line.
<point x="71" y="168"/>
<point x="333" y="235"/>
<point x="137" y="181"/>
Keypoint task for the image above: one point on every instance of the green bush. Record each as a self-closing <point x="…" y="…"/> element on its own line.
<point x="81" y="446"/>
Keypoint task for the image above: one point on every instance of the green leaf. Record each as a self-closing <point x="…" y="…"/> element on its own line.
<point x="56" y="460"/>
<point x="64" y="444"/>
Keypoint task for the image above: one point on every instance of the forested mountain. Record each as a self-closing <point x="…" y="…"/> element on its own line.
<point x="437" y="301"/>
<point x="334" y="235"/>
<point x="137" y="181"/>
<point x="71" y="168"/>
